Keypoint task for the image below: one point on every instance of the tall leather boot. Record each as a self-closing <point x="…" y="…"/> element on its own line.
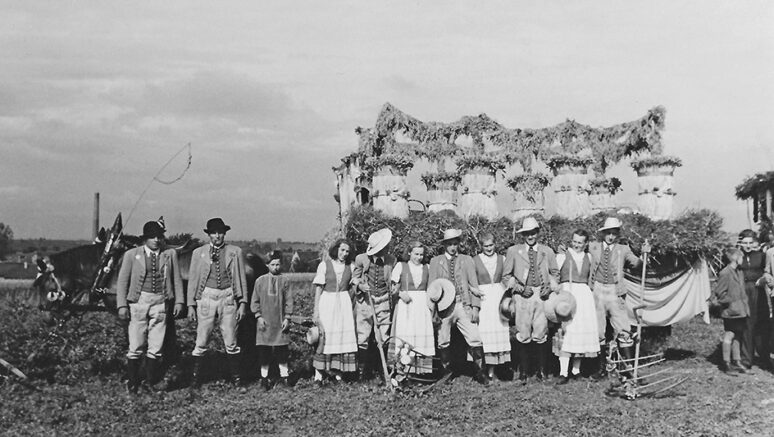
<point x="478" y="362"/>
<point x="524" y="355"/>
<point x="627" y="353"/>
<point x="542" y="359"/>
<point x="151" y="374"/>
<point x="445" y="357"/>
<point x="133" y="375"/>
<point x="601" y="372"/>
<point x="235" y="369"/>
<point x="196" y="380"/>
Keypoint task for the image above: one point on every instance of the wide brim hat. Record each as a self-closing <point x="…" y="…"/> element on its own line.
<point x="216" y="225"/>
<point x="313" y="335"/>
<point x="152" y="229"/>
<point x="440" y="294"/>
<point x="451" y="234"/>
<point x="560" y="307"/>
<point x="378" y="241"/>
<point x="529" y="224"/>
<point x="506" y="308"/>
<point x="611" y="223"/>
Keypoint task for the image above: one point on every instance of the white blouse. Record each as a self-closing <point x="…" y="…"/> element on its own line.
<point x="490" y="264"/>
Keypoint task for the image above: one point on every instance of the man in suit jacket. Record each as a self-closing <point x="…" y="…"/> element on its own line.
<point x="217" y="289"/>
<point x="610" y="288"/>
<point x="463" y="313"/>
<point x="148" y="280"/>
<point x="532" y="273"/>
<point x="371" y="273"/>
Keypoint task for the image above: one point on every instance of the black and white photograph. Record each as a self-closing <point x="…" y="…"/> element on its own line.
<point x="402" y="217"/>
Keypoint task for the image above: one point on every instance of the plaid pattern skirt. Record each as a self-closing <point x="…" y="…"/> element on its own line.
<point x="493" y="328"/>
<point x="338" y="342"/>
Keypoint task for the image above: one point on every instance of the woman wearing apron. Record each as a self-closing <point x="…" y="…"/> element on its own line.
<point x="494" y="329"/>
<point x="412" y="326"/>
<point x="337" y="347"/>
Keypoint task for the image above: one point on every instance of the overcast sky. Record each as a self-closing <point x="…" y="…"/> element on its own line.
<point x="96" y="96"/>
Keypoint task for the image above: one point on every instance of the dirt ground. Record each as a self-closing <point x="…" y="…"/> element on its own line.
<point x="76" y="388"/>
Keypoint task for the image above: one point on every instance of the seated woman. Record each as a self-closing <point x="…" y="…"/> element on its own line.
<point x="337" y="348"/>
<point x="413" y="344"/>
<point x="578" y="337"/>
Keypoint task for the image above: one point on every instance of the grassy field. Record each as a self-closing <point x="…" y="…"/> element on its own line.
<point x="76" y="388"/>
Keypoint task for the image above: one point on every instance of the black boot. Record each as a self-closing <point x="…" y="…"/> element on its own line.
<point x="524" y="349"/>
<point x="152" y="368"/>
<point x="133" y="375"/>
<point x="627" y="354"/>
<point x="196" y="380"/>
<point x="446" y="369"/>
<point x="362" y="368"/>
<point x="601" y="372"/>
<point x="478" y="361"/>
<point x="235" y="368"/>
<point x="542" y="359"/>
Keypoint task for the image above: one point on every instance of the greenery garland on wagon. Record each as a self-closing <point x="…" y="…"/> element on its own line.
<point x="435" y="181"/>
<point x="402" y="163"/>
<point x="560" y="160"/>
<point x="489" y="162"/>
<point x="656" y="161"/>
<point x="603" y="185"/>
<point x="529" y="184"/>
<point x="695" y="233"/>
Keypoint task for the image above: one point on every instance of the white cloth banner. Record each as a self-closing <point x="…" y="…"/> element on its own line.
<point x="678" y="301"/>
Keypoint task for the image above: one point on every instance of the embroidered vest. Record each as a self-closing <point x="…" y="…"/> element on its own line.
<point x="407" y="281"/>
<point x="154" y="279"/>
<point x="219" y="277"/>
<point x="330" y="278"/>
<point x="569" y="265"/>
<point x="483" y="274"/>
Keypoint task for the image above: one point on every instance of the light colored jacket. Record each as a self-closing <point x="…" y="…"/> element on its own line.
<point x="464" y="277"/>
<point x="200" y="271"/>
<point x="132" y="275"/>
<point x="621" y="254"/>
<point x="517" y="264"/>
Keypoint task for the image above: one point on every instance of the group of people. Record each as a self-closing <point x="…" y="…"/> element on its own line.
<point x="409" y="308"/>
<point x="743" y="295"/>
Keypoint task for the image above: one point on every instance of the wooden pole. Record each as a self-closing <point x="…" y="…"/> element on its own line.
<point x="95" y="229"/>
<point x="638" y="308"/>
<point x="379" y="342"/>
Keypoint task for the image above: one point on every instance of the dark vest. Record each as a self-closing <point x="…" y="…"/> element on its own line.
<point x="219" y="277"/>
<point x="330" y="278"/>
<point x="148" y="284"/>
<point x="483" y="274"/>
<point x="753" y="270"/>
<point x="407" y="282"/>
<point x="569" y="265"/>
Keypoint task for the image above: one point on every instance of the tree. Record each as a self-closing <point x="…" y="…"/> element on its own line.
<point x="6" y="236"/>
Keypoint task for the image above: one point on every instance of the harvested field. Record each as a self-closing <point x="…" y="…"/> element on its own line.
<point x="77" y="388"/>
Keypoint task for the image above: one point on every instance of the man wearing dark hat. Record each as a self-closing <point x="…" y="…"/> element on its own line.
<point x="148" y="280"/>
<point x="530" y="270"/>
<point x="371" y="274"/>
<point x="217" y="289"/>
<point x="610" y="289"/>
<point x="463" y="313"/>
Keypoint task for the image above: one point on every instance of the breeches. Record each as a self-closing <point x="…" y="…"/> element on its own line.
<point x="459" y="317"/>
<point x="147" y="326"/>
<point x="610" y="305"/>
<point x="364" y="321"/>
<point x="530" y="318"/>
<point x="216" y="304"/>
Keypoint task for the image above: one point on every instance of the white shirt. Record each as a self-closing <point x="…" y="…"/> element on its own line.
<point x="490" y="263"/>
<point x="415" y="270"/>
<point x="577" y="257"/>
<point x="148" y="251"/>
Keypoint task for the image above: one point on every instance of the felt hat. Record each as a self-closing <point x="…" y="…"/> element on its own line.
<point x="378" y="241"/>
<point x="529" y="224"/>
<point x="440" y="293"/>
<point x="313" y="335"/>
<point x="216" y="225"/>
<point x="151" y="230"/>
<point x="611" y="223"/>
<point x="560" y="307"/>
<point x="451" y="234"/>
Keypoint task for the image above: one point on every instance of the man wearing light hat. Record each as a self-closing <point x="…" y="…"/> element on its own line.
<point x="530" y="270"/>
<point x="148" y="280"/>
<point x="460" y="270"/>
<point x="217" y="289"/>
<point x="371" y="274"/>
<point x="610" y="288"/>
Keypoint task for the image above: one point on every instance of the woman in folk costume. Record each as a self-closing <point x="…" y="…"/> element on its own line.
<point x="412" y="326"/>
<point x="337" y="347"/>
<point x="272" y="304"/>
<point x="493" y="328"/>
<point x="578" y="337"/>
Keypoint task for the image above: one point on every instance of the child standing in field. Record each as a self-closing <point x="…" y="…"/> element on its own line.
<point x="732" y="298"/>
<point x="272" y="304"/>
